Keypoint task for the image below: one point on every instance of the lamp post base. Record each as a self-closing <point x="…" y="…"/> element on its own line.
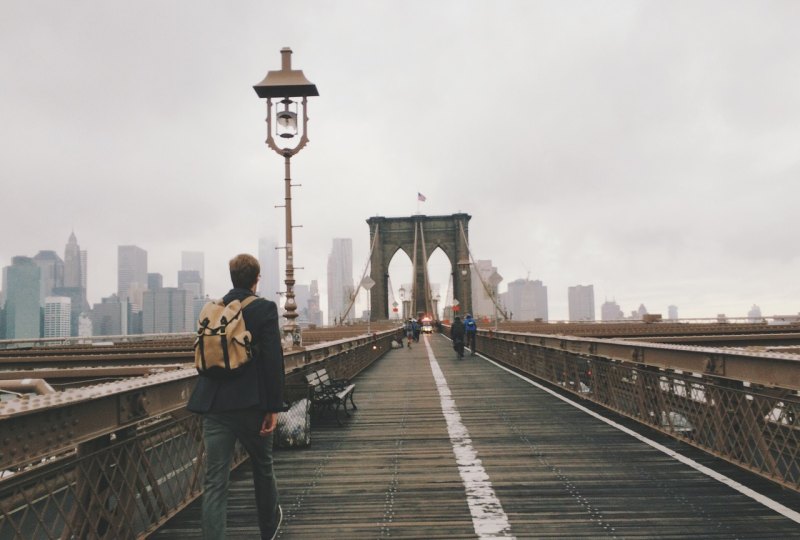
<point x="292" y="337"/>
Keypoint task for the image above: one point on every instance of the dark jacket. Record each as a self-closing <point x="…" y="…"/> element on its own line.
<point x="457" y="331"/>
<point x="260" y="385"/>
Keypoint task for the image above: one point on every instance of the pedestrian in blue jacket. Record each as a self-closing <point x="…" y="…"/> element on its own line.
<point x="470" y="330"/>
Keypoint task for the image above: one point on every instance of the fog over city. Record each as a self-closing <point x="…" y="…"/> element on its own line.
<point x="651" y="149"/>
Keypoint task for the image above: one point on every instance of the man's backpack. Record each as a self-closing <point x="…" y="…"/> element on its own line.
<point x="470" y="326"/>
<point x="223" y="345"/>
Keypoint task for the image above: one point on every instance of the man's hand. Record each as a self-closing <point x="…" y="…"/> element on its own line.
<point x="269" y="424"/>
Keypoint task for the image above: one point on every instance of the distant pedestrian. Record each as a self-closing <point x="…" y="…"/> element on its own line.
<point x="415" y="328"/>
<point x="471" y="330"/>
<point x="409" y="332"/>
<point x="457" y="335"/>
<point x="243" y="407"/>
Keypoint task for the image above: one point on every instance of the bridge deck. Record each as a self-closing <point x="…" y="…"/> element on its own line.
<point x="551" y="469"/>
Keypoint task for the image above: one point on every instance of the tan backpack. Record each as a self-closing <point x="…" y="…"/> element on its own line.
<point x="223" y="344"/>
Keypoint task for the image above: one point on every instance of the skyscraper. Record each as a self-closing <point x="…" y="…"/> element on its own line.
<point x="302" y="293"/>
<point x="268" y="258"/>
<point x="314" y="312"/>
<point x="672" y="312"/>
<point x="155" y="281"/>
<point x="85" y="325"/>
<point x="84" y="274"/>
<point x="610" y="311"/>
<point x="72" y="262"/>
<point x="527" y="300"/>
<point x="482" y="300"/>
<point x="75" y="275"/>
<point x="110" y="317"/>
<point x="194" y="261"/>
<point x="340" y="279"/>
<point x="167" y="310"/>
<point x="581" y="303"/>
<point x="23" y="309"/>
<point x="52" y="272"/>
<point x="638" y="314"/>
<point x="57" y="317"/>
<point x="190" y="280"/>
<point x="131" y="275"/>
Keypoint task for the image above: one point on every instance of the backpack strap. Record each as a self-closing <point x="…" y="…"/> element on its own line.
<point x="249" y="300"/>
<point x="243" y="303"/>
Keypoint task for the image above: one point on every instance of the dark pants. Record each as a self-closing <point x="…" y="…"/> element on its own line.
<point x="220" y="432"/>
<point x="458" y="345"/>
<point x="471" y="341"/>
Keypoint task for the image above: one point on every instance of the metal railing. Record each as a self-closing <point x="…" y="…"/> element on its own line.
<point x="741" y="406"/>
<point x="117" y="460"/>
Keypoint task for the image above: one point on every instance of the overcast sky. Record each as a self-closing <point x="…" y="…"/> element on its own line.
<point x="648" y="148"/>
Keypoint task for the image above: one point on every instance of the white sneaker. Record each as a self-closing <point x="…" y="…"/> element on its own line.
<point x="278" y="525"/>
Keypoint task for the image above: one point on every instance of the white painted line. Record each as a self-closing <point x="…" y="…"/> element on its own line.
<point x="488" y="517"/>
<point x="744" y="490"/>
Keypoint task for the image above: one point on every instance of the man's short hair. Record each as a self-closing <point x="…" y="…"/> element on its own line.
<point x="244" y="271"/>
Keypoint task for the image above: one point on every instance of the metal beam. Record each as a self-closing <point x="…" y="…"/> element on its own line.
<point x="764" y="368"/>
<point x="34" y="427"/>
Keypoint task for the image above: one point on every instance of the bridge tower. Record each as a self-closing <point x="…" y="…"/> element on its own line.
<point x="420" y="234"/>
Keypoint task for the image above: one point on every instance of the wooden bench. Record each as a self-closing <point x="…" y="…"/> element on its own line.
<point x="330" y="393"/>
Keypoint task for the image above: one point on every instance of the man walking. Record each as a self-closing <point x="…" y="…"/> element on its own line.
<point x="409" y="328"/>
<point x="457" y="335"/>
<point x="243" y="407"/>
<point x="471" y="330"/>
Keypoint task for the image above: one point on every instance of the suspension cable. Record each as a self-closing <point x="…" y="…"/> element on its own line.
<point x="448" y="297"/>
<point x="363" y="274"/>
<point x="428" y="299"/>
<point x="480" y="277"/>
<point x="414" y="274"/>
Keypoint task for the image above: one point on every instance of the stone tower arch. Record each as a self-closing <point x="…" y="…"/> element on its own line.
<point x="395" y="234"/>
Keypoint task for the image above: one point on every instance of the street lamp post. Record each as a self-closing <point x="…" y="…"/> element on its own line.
<point x="403" y="301"/>
<point x="368" y="283"/>
<point x="494" y="282"/>
<point x="283" y="85"/>
<point x="463" y="266"/>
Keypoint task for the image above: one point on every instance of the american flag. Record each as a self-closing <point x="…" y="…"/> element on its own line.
<point x="420" y="197"/>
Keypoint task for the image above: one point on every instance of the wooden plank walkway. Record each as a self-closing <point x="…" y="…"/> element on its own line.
<point x="555" y="471"/>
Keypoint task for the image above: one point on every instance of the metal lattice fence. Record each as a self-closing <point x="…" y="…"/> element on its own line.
<point x="102" y="465"/>
<point x="114" y="487"/>
<point x="752" y="425"/>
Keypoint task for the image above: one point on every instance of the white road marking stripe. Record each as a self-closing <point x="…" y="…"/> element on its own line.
<point x="488" y="517"/>
<point x="744" y="490"/>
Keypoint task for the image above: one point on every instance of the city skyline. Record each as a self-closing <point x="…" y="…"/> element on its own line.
<point x="648" y="148"/>
<point x="504" y="287"/>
